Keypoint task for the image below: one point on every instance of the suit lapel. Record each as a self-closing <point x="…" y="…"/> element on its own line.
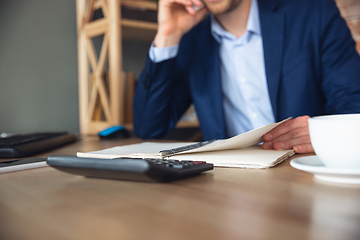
<point x="210" y="62"/>
<point x="213" y="76"/>
<point x="272" y="29"/>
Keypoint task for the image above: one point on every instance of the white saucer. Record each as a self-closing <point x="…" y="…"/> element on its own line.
<point x="314" y="165"/>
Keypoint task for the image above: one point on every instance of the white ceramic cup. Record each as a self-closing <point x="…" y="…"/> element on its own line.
<point x="336" y="140"/>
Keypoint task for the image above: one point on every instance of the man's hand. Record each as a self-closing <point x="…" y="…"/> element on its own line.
<point x="293" y="133"/>
<point x="175" y="18"/>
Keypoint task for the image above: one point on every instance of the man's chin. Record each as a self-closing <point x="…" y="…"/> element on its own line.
<point x="216" y="8"/>
<point x="220" y="7"/>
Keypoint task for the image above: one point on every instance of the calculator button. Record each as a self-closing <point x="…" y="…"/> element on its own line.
<point x="178" y="166"/>
<point x="173" y="161"/>
<point x="150" y="159"/>
<point x="199" y="162"/>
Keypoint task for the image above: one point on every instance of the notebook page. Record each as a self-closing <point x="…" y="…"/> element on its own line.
<point x="244" y="140"/>
<point x="251" y="157"/>
<point x="152" y="150"/>
<point x="142" y="150"/>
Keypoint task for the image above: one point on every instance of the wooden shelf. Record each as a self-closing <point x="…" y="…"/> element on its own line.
<point x="131" y="29"/>
<point x="138" y="30"/>
<point x="103" y="87"/>
<point x="150" y="5"/>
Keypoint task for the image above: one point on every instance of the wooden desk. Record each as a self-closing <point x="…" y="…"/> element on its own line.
<point x="278" y="203"/>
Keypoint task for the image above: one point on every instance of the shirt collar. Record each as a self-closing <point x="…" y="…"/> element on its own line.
<point x="253" y="24"/>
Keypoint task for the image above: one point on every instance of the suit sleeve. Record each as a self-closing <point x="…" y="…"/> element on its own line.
<point x="161" y="98"/>
<point x="340" y="63"/>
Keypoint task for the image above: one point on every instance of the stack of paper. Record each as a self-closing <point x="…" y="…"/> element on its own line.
<point x="240" y="151"/>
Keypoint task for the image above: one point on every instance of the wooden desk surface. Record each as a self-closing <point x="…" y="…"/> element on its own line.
<point x="277" y="203"/>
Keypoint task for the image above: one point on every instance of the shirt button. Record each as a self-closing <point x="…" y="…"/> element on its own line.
<point x="254" y="115"/>
<point x="242" y="80"/>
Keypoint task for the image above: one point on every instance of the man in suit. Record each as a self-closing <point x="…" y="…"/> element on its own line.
<point x="246" y="64"/>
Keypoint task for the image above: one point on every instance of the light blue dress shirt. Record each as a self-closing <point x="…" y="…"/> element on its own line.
<point x="246" y="98"/>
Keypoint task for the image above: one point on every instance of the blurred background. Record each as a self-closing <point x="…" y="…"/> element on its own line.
<point x="38" y="65"/>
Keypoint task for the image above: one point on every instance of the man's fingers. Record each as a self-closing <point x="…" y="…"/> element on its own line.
<point x="191" y="6"/>
<point x="190" y="10"/>
<point x="288" y="144"/>
<point x="182" y="2"/>
<point x="304" y="148"/>
<point x="267" y="145"/>
<point x="292" y="134"/>
<point x="194" y="7"/>
<point x="302" y="145"/>
<point x="187" y="3"/>
<point x="286" y="127"/>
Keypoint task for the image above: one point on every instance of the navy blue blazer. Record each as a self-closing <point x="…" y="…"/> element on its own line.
<point x="311" y="64"/>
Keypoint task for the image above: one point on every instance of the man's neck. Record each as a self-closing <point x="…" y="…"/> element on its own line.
<point x="235" y="21"/>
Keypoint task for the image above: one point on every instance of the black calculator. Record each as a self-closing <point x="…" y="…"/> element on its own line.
<point x="135" y="169"/>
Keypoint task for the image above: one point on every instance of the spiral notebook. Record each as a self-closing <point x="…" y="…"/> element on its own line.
<point x="240" y="151"/>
